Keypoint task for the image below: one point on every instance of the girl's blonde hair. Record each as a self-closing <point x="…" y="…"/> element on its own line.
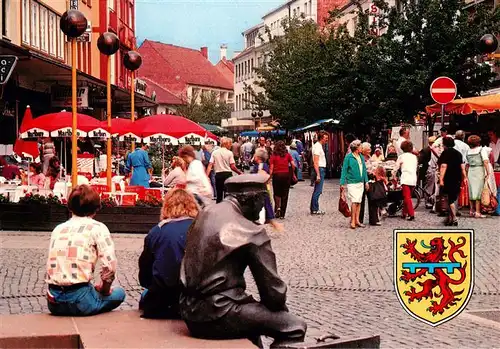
<point x="178" y="162"/>
<point x="178" y="203"/>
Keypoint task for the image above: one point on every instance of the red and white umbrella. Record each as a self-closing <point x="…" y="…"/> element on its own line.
<point x="121" y="128"/>
<point x="60" y="125"/>
<point x="170" y="129"/>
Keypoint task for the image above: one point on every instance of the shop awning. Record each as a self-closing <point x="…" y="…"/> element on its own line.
<point x="258" y="133"/>
<point x="213" y="128"/>
<point x="480" y="105"/>
<point x="317" y="124"/>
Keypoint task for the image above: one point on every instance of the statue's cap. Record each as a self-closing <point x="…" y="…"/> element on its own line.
<point x="246" y="183"/>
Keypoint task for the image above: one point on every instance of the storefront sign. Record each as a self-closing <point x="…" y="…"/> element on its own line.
<point x="140" y="86"/>
<point x="7" y="65"/>
<point x="61" y="96"/>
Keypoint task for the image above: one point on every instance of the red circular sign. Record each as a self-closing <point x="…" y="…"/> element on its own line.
<point x="443" y="90"/>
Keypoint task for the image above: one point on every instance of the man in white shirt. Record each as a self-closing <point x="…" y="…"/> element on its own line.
<point x="223" y="163"/>
<point x="319" y="164"/>
<point x="460" y="145"/>
<point x="495" y="145"/>
<point x="404" y="135"/>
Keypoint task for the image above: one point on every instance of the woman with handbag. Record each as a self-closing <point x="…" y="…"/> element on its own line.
<point x="279" y="171"/>
<point x="451" y="174"/>
<point x="355" y="177"/>
<point x="477" y="173"/>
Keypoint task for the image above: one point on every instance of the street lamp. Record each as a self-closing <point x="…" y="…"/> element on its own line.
<point x="132" y="61"/>
<point x="108" y="43"/>
<point x="488" y="44"/>
<point x="260" y="114"/>
<point x="73" y="23"/>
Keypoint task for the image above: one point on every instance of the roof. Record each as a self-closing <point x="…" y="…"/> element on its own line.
<point x="163" y="95"/>
<point x="227" y="69"/>
<point x="286" y="4"/>
<point x="175" y="67"/>
<point x="255" y="27"/>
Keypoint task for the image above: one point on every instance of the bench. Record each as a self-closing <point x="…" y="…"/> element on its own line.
<point x="117" y="329"/>
<point x="126" y="329"/>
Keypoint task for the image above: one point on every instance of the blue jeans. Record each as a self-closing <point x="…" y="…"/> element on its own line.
<point x="318" y="189"/>
<point x="498" y="200"/>
<point x="212" y="181"/>
<point x="84" y="301"/>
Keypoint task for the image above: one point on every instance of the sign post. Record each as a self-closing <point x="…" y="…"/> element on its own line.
<point x="443" y="91"/>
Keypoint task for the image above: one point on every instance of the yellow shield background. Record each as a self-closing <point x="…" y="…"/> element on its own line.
<point x="420" y="310"/>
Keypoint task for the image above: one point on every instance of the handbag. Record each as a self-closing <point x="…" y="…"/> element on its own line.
<point x="442" y="203"/>
<point x="377" y="191"/>
<point x="485" y="196"/>
<point x="344" y="206"/>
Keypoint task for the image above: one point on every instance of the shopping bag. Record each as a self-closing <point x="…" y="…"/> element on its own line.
<point x="442" y="203"/>
<point x="485" y="196"/>
<point x="344" y="206"/>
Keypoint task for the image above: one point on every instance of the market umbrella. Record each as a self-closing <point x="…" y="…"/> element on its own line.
<point x="59" y="125"/>
<point x="481" y="105"/>
<point x="170" y="129"/>
<point x="121" y="128"/>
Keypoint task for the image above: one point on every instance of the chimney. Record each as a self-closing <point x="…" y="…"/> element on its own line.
<point x="204" y="52"/>
<point x="223" y="52"/>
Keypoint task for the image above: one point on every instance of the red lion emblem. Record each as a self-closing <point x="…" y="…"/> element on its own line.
<point x="441" y="279"/>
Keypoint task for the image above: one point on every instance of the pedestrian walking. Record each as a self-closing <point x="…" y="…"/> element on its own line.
<point x="451" y="175"/>
<point x="318" y="169"/>
<point x="477" y="173"/>
<point x="223" y="163"/>
<point x="75" y="248"/>
<point x="296" y="159"/>
<point x="279" y="171"/>
<point x="355" y="177"/>
<point x="197" y="182"/>
<point x="366" y="150"/>
<point x="138" y="164"/>
<point x="408" y="164"/>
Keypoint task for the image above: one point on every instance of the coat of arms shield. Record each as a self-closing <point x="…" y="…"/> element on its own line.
<point x="434" y="272"/>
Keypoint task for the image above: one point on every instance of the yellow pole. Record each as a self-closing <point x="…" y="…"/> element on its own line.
<point x="74" y="166"/>
<point x="108" y="111"/>
<point x="132" y="103"/>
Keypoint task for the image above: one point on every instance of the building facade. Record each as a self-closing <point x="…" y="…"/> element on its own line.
<point x="42" y="76"/>
<point x="185" y="73"/>
<point x="256" y="46"/>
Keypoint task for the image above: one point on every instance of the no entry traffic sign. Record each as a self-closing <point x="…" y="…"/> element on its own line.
<point x="7" y="64"/>
<point x="443" y="90"/>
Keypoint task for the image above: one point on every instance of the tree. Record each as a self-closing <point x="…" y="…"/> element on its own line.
<point x="367" y="80"/>
<point x="430" y="38"/>
<point x="205" y="108"/>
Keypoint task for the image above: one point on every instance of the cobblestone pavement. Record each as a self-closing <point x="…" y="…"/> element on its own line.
<point x="339" y="280"/>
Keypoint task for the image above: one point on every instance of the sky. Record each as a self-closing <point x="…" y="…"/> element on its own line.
<point x="197" y="23"/>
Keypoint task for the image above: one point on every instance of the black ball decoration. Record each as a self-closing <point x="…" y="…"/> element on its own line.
<point x="261" y="113"/>
<point x="254" y="114"/>
<point x="488" y="44"/>
<point x="73" y="23"/>
<point x="132" y="60"/>
<point x="108" y="43"/>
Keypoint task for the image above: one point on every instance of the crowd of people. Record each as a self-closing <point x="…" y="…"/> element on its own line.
<point x="446" y="169"/>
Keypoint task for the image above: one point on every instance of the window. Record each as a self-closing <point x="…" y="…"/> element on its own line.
<point x="5" y="10"/>
<point x="305" y="9"/>
<point x="310" y="8"/>
<point x="53" y="30"/>
<point x="259" y="61"/>
<point x="44" y="37"/>
<point x="294" y="13"/>
<point x="26" y="21"/>
<point x="251" y="72"/>
<point x="61" y="45"/>
<point x="35" y="25"/>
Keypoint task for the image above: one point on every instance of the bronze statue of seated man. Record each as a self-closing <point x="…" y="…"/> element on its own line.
<point x="223" y="241"/>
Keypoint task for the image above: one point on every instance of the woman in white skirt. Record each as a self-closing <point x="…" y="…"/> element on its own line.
<point x="355" y="177"/>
